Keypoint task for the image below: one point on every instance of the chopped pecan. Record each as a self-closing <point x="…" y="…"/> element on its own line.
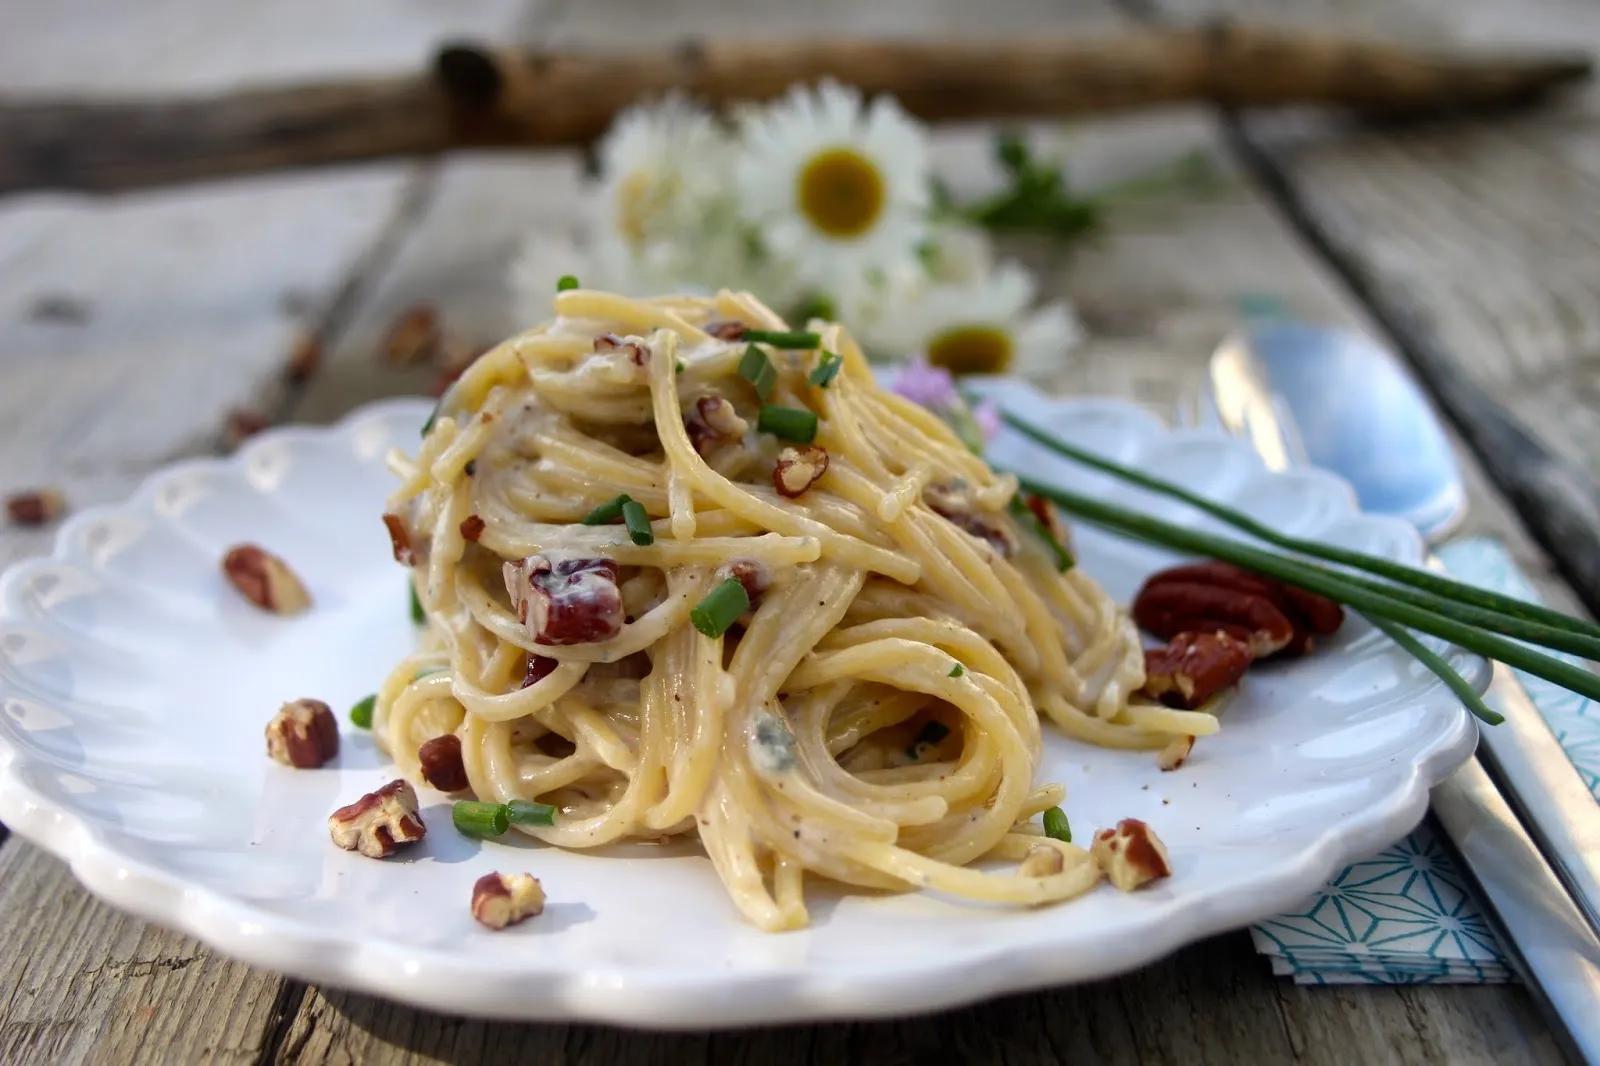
<point x="727" y="331"/>
<point x="638" y="352"/>
<point x="413" y="337"/>
<point x="400" y="540"/>
<point x="1175" y="753"/>
<point x="35" y="507"/>
<point x="243" y="424"/>
<point x="713" y="421"/>
<point x="954" y="502"/>
<point x="379" y="822"/>
<point x="1042" y="860"/>
<point x="1193" y="667"/>
<point x="539" y="668"/>
<point x="1131" y="854"/>
<point x="472" y="527"/>
<point x="303" y="734"/>
<point x="570" y="601"/>
<point x="264" y="579"/>
<point x="749" y="573"/>
<point x="499" y="900"/>
<point x="304" y="358"/>
<point x="1309" y="614"/>
<point x="442" y="766"/>
<point x="799" y="467"/>
<point x="1169" y="607"/>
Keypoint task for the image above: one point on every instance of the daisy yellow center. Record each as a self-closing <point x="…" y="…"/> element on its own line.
<point x="972" y="350"/>
<point x="841" y="192"/>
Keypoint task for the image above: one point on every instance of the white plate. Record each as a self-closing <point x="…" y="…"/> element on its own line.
<point x="135" y="685"/>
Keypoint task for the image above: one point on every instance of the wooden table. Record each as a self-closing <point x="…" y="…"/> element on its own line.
<point x="133" y="328"/>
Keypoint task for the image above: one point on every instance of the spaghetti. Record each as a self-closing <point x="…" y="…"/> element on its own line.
<point x="872" y="715"/>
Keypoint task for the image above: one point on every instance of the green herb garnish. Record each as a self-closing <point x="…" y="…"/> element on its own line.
<point x="792" y="340"/>
<point x="720" y="608"/>
<point x="566" y="282"/>
<point x="522" y="812"/>
<point x="931" y="733"/>
<point x="789" y="423"/>
<point x="957" y="670"/>
<point x="361" y="713"/>
<point x="638" y="522"/>
<point x="608" y="512"/>
<point x="758" y="370"/>
<point x="1056" y="826"/>
<point x="1030" y="521"/>
<point x="827" y="369"/>
<point x="418" y="615"/>
<point x="475" y="819"/>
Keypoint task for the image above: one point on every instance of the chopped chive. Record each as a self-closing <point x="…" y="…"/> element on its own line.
<point x="1025" y="516"/>
<point x="433" y="416"/>
<point x="638" y="523"/>
<point x="361" y="713"/>
<point x="566" y="282"/>
<point x="608" y="512"/>
<point x="680" y="366"/>
<point x="827" y="369"/>
<point x="758" y="370"/>
<point x="720" y="608"/>
<point x="789" y="423"/>
<point x="477" y="819"/>
<point x="522" y="812"/>
<point x="418" y="615"/>
<point x="793" y="340"/>
<point x="1056" y="826"/>
<point x="957" y="670"/>
<point x="1442" y="670"/>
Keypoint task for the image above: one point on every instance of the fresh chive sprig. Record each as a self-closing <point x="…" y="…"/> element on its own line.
<point x="638" y="523"/>
<point x="756" y="368"/>
<point x="1030" y="521"/>
<point x="1443" y="587"/>
<point x="361" y="713"/>
<point x="720" y="608"/>
<point x="608" y="512"/>
<point x="524" y="812"/>
<point x="788" y="423"/>
<point x="827" y="369"/>
<point x="1056" y="826"/>
<point x="790" y="340"/>
<point x="1442" y="670"/>
<point x="475" y="819"/>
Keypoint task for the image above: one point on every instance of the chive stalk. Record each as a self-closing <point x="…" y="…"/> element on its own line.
<point x="523" y="812"/>
<point x="827" y="369"/>
<point x="566" y="282"/>
<point x="720" y="608"/>
<point x="1390" y="604"/>
<point x="608" y="512"/>
<point x="788" y="423"/>
<point x="418" y="616"/>
<point x="1030" y="521"/>
<point x="792" y="340"/>
<point x="1056" y="826"/>
<point x="361" y="713"/>
<point x="756" y="368"/>
<point x="638" y="523"/>
<point x="1442" y="670"/>
<point x="957" y="670"/>
<point x="1438" y="584"/>
<point x="475" y="819"/>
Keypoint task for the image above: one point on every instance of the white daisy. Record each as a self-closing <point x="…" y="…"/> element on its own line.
<point x="982" y="327"/>
<point x="834" y="186"/>
<point x="661" y="166"/>
<point x="958" y="253"/>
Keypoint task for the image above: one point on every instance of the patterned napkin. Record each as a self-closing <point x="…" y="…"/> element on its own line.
<point x="1406" y="915"/>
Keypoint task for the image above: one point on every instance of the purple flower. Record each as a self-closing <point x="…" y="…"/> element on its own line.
<point x="931" y="386"/>
<point x="987" y="416"/>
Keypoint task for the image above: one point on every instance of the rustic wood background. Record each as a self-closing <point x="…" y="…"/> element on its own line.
<point x="134" y="328"/>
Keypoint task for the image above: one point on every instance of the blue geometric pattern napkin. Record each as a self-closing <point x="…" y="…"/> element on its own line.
<point x="1406" y="916"/>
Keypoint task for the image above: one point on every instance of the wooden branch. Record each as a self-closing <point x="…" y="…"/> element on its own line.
<point x="474" y="97"/>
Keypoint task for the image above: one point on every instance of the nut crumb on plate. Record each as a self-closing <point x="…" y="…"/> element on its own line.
<point x="264" y="579"/>
<point x="380" y="822"/>
<point x="303" y="734"/>
<point x="499" y="900"/>
<point x="1131" y="854"/>
<point x="35" y="507"/>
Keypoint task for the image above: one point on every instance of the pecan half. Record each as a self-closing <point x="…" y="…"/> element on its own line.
<point x="413" y="336"/>
<point x="472" y="527"/>
<point x="727" y="331"/>
<point x="1042" y="860"/>
<point x="400" y="540"/>
<point x="539" y="668"/>
<point x="36" y="507"/>
<point x="570" y="601"/>
<point x="1310" y="615"/>
<point x="378" y="823"/>
<point x="1131" y="854"/>
<point x="303" y="734"/>
<point x="499" y="900"/>
<point x="441" y="763"/>
<point x="713" y="421"/>
<point x="1175" y="753"/>
<point x="1170" y="607"/>
<point x="799" y="467"/>
<point x="264" y="579"/>
<point x="749" y="573"/>
<point x="637" y="351"/>
<point x="1193" y="667"/>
